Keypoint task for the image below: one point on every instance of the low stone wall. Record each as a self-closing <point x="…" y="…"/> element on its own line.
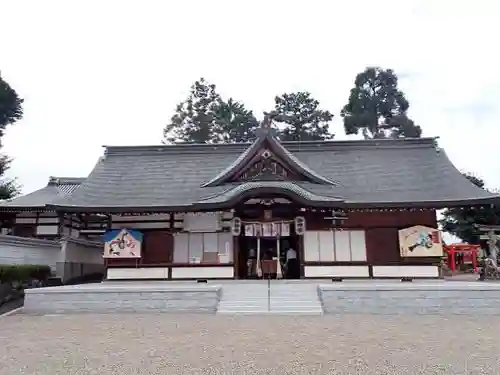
<point x="101" y="298"/>
<point x="67" y="258"/>
<point x="438" y="298"/>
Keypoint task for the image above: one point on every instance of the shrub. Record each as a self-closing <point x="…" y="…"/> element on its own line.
<point x="24" y="272"/>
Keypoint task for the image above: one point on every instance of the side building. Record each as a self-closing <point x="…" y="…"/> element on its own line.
<point x="351" y="209"/>
<point x="34" y="233"/>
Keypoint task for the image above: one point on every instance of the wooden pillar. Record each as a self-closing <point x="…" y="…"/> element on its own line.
<point x="236" y="256"/>
<point x="109" y="223"/>
<point x="301" y="252"/>
<point x="60" y="228"/>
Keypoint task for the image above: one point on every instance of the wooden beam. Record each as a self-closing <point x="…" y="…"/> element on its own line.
<point x="92" y="231"/>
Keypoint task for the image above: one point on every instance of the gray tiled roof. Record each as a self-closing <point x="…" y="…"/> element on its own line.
<point x="57" y="188"/>
<point x="367" y="172"/>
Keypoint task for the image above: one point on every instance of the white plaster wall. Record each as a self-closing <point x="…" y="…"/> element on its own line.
<point x="21" y="250"/>
<point x="82" y="251"/>
<point x="49" y="219"/>
<point x="70" y="232"/>
<point x="405" y="271"/>
<point x="137" y="219"/>
<point x="335" y="245"/>
<point x="141" y="222"/>
<point x="202" y="272"/>
<point x="336" y="271"/>
<point x="26" y="218"/>
<point x="137" y="273"/>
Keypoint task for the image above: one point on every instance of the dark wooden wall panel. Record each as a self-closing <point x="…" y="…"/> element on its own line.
<point x="157" y="247"/>
<point x="382" y="246"/>
<point x="394" y="219"/>
<point x="113" y="262"/>
<point x="383" y="219"/>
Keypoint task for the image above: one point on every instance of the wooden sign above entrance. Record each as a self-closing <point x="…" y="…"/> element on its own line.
<point x="273" y="229"/>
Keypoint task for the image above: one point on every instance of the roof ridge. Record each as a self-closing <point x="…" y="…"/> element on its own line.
<point x="53" y="180"/>
<point x="290" y="145"/>
<point x="71" y="180"/>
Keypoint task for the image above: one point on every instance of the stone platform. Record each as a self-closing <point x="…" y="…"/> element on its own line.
<point x="419" y="297"/>
<point x="116" y="297"/>
<point x="292" y="297"/>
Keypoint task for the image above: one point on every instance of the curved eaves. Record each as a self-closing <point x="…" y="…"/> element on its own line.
<point x="286" y="188"/>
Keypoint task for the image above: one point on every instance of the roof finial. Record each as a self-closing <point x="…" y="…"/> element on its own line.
<point x="266" y="123"/>
<point x="53" y="181"/>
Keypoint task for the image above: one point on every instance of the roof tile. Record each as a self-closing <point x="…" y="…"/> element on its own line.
<point x="57" y="188"/>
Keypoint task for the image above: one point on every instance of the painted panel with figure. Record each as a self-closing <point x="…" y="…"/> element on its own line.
<point x="420" y="241"/>
<point x="122" y="243"/>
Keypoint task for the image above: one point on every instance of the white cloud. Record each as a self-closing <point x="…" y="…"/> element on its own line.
<point x="110" y="72"/>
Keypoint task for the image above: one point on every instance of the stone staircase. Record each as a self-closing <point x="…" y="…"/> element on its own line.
<point x="290" y="298"/>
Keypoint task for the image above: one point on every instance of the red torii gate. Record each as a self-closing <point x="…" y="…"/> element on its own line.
<point x="469" y="253"/>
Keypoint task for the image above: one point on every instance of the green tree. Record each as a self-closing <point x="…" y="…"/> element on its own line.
<point x="11" y="110"/>
<point x="194" y="118"/>
<point x="461" y="221"/>
<point x="302" y="117"/>
<point x="204" y="117"/>
<point x="9" y="188"/>
<point x="234" y="123"/>
<point x="377" y="108"/>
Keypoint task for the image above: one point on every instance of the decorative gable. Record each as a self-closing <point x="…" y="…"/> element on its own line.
<point x="266" y="166"/>
<point x="267" y="160"/>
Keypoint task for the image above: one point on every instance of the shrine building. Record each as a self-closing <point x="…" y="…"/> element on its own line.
<point x="201" y="211"/>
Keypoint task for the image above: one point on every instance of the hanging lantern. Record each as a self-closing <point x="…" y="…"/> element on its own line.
<point x="300" y="225"/>
<point x="236" y="226"/>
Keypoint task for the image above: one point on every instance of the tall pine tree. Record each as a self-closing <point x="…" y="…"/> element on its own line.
<point x="204" y="117"/>
<point x="11" y="110"/>
<point x="302" y="117"/>
<point x="194" y="120"/>
<point x="377" y="108"/>
<point x="234" y="123"/>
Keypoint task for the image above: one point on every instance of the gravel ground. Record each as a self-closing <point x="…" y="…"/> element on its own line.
<point x="200" y="344"/>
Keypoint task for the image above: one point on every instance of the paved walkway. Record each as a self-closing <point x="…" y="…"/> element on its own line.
<point x="196" y="344"/>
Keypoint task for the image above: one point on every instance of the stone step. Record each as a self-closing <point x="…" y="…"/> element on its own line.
<point x="273" y="308"/>
<point x="264" y="308"/>
<point x="257" y="299"/>
<point x="272" y="312"/>
<point x="265" y="300"/>
<point x="272" y="299"/>
<point x="274" y="291"/>
<point x="276" y="295"/>
<point x="274" y="305"/>
<point x="259" y="292"/>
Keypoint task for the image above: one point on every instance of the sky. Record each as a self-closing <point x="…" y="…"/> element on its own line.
<point x="96" y="73"/>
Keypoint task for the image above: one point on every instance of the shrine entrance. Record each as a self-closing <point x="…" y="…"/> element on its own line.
<point x="268" y="233"/>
